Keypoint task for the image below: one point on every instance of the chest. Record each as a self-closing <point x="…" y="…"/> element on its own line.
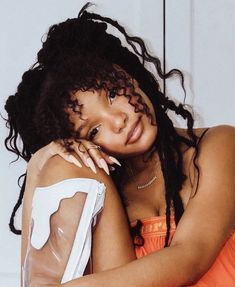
<point x="151" y="200"/>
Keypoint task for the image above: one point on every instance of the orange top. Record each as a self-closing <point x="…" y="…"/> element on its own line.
<point x="221" y="273"/>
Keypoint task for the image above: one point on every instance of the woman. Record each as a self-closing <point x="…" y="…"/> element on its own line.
<point x="178" y="191"/>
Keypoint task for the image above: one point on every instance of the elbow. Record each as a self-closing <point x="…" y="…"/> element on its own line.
<point x="42" y="281"/>
<point x="194" y="273"/>
<point x="194" y="265"/>
<point x="33" y="284"/>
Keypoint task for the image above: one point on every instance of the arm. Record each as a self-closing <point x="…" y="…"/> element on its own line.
<point x="201" y="233"/>
<point x="67" y="217"/>
<point x="38" y="161"/>
<point x="31" y="183"/>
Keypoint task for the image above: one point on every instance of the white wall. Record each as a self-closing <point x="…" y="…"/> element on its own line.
<point x="200" y="39"/>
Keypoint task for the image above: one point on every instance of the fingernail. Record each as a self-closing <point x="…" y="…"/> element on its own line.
<point x="104" y="165"/>
<point x="73" y="159"/>
<point x="113" y="159"/>
<point x="91" y="164"/>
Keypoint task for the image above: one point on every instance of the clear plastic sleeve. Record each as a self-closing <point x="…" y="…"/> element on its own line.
<point x="59" y="243"/>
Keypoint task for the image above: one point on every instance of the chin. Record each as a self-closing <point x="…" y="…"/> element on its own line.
<point x="136" y="150"/>
<point x="147" y="147"/>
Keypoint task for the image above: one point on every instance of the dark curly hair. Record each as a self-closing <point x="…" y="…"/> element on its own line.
<point x="79" y="54"/>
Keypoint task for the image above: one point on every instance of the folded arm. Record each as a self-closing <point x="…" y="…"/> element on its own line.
<point x="45" y="263"/>
<point x="205" y="226"/>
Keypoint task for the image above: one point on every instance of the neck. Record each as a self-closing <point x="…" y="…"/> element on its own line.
<point x="137" y="164"/>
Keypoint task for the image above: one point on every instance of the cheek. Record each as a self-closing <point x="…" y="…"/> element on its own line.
<point x="150" y="138"/>
<point x="114" y="144"/>
<point x="111" y="145"/>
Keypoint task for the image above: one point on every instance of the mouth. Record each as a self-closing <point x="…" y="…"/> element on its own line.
<point x="135" y="132"/>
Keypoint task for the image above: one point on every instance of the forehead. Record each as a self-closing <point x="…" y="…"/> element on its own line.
<point x="83" y="95"/>
<point x="84" y="99"/>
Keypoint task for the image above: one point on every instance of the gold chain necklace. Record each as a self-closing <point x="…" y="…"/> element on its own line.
<point x="147" y="184"/>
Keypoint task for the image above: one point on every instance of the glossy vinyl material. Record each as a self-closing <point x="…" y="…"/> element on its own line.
<point x="59" y="244"/>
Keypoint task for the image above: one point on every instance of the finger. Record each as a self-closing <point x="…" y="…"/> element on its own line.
<point x="55" y="147"/>
<point x="100" y="157"/>
<point x="58" y="148"/>
<point x="114" y="160"/>
<point x="97" y="155"/>
<point x="103" y="164"/>
<point x="42" y="155"/>
<point x="91" y="164"/>
<point x="80" y="149"/>
<point x="72" y="159"/>
<point x="90" y="153"/>
<point x="110" y="159"/>
<point x="97" y="150"/>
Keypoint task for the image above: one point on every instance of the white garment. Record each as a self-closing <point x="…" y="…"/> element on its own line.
<point x="47" y="244"/>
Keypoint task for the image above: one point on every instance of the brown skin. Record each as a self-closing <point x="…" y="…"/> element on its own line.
<point x="118" y="244"/>
<point x="211" y="210"/>
<point x="154" y="196"/>
<point x="207" y="222"/>
<point x="112" y="119"/>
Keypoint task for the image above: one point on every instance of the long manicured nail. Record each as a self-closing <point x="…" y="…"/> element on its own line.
<point x="73" y="159"/>
<point x="91" y="164"/>
<point x="113" y="159"/>
<point x="104" y="165"/>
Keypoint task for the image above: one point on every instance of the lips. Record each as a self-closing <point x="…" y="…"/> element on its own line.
<point x="135" y="132"/>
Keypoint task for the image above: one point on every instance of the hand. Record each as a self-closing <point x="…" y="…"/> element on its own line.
<point x="88" y="152"/>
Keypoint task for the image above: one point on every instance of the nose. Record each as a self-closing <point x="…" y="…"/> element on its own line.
<point x="118" y="121"/>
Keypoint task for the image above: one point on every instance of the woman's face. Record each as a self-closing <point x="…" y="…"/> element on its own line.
<point x="110" y="121"/>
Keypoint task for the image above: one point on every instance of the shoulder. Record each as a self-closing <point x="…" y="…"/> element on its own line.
<point x="57" y="169"/>
<point x="214" y="157"/>
<point x="208" y="219"/>
<point x="217" y="144"/>
<point x="215" y="161"/>
<point x="212" y="142"/>
<point x="225" y="132"/>
<point x="218" y="135"/>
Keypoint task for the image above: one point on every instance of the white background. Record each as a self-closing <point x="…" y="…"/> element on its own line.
<point x="200" y="42"/>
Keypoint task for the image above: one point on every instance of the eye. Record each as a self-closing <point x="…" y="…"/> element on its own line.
<point x="112" y="95"/>
<point x="92" y="133"/>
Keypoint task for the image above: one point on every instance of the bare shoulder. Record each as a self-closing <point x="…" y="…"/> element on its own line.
<point x="221" y="131"/>
<point x="213" y="141"/>
<point x="216" y="150"/>
<point x="211" y="206"/>
<point x="216" y="162"/>
<point x="57" y="169"/>
<point x="217" y="141"/>
<point x="215" y="157"/>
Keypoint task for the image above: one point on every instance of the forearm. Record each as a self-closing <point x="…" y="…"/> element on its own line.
<point x="31" y="183"/>
<point x="170" y="267"/>
<point x="111" y="244"/>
